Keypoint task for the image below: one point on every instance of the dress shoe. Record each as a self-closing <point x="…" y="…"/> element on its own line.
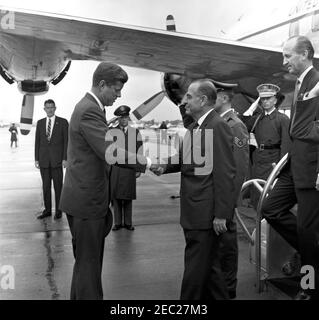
<point x="44" y="214"/>
<point x="58" y="215"/>
<point x="129" y="227"/>
<point x="302" y="295"/>
<point x="232" y="294"/>
<point x="116" y="227"/>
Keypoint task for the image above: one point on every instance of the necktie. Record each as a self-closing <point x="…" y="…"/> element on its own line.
<point x="293" y="107"/>
<point x="297" y="87"/>
<point x="49" y="130"/>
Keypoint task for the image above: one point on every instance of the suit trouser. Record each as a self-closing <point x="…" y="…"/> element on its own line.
<point x="202" y="277"/>
<point x="229" y="255"/>
<point x="301" y="232"/>
<point x="122" y="208"/>
<point x="48" y="174"/>
<point x="88" y="238"/>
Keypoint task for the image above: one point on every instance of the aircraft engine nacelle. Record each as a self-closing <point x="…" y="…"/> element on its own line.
<point x="175" y="86"/>
<point x="33" y="87"/>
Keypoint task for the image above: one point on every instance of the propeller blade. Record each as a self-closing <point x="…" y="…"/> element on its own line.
<point x="147" y="106"/>
<point x="26" y="114"/>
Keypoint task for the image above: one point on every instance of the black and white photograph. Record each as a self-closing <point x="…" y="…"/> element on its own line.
<point x="163" y="151"/>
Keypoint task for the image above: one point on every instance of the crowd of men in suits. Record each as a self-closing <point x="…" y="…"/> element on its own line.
<point x="209" y="188"/>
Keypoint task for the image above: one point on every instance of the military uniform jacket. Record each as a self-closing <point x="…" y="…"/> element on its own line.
<point x="51" y="153"/>
<point x="85" y="192"/>
<point x="241" y="148"/>
<point x="204" y="197"/>
<point x="304" y="153"/>
<point x="123" y="180"/>
<point x="270" y="130"/>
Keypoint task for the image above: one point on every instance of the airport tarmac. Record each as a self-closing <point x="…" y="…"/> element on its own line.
<point x="144" y="264"/>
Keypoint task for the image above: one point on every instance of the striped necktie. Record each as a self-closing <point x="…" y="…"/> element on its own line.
<point x="49" y="130"/>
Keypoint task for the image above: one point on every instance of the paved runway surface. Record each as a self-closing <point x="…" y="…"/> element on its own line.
<point x="144" y="264"/>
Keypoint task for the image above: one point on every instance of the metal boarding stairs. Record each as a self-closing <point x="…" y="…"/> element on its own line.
<point x="270" y="253"/>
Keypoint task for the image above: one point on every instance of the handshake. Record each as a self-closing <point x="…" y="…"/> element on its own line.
<point x="158" y="169"/>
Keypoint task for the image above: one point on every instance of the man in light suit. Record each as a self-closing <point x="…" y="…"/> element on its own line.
<point x="207" y="192"/>
<point x="299" y="180"/>
<point x="86" y="191"/>
<point x="51" y="141"/>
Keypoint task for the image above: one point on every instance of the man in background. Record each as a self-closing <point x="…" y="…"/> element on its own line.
<point x="123" y="180"/>
<point x="51" y="142"/>
<point x="271" y="131"/>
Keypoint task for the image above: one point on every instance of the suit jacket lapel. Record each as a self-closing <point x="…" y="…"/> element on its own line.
<point x="305" y="83"/>
<point x="303" y="89"/>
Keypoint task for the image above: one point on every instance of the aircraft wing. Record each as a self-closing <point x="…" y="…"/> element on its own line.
<point x="159" y="50"/>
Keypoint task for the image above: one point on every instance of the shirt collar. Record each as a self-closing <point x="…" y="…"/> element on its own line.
<point x="302" y="76"/>
<point x="269" y="113"/>
<point x="52" y="118"/>
<point x="203" y="117"/>
<point x="97" y="100"/>
<point x="225" y="112"/>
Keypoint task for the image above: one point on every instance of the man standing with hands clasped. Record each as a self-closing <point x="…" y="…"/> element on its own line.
<point x="51" y="142"/>
<point x="207" y="192"/>
<point x="298" y="181"/>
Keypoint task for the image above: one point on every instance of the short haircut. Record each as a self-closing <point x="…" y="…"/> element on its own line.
<point x="280" y="98"/>
<point x="302" y="44"/>
<point x="207" y="88"/>
<point x="109" y="72"/>
<point x="50" y="101"/>
<point x="227" y="92"/>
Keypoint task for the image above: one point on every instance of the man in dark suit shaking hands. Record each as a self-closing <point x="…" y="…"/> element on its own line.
<point x="86" y="191"/>
<point x="207" y="192"/>
<point x="51" y="141"/>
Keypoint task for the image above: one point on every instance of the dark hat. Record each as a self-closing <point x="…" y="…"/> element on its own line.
<point x="222" y="86"/>
<point x="122" y="111"/>
<point x="267" y="90"/>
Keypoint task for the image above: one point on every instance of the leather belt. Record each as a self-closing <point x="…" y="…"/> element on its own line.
<point x="271" y="146"/>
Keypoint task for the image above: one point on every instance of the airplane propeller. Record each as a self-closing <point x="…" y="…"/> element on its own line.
<point x="26" y="114"/>
<point x="145" y="108"/>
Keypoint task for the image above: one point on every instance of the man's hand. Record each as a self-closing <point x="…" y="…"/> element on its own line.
<point x="317" y="182"/>
<point x="137" y="174"/>
<point x="157" y="169"/>
<point x="36" y="164"/>
<point x="219" y="225"/>
<point x="64" y="163"/>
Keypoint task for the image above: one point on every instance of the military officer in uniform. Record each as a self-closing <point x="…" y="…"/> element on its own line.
<point x="228" y="243"/>
<point x="228" y="240"/>
<point x="123" y="180"/>
<point x="271" y="131"/>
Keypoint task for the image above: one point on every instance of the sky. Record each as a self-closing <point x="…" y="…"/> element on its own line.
<point x="202" y="17"/>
